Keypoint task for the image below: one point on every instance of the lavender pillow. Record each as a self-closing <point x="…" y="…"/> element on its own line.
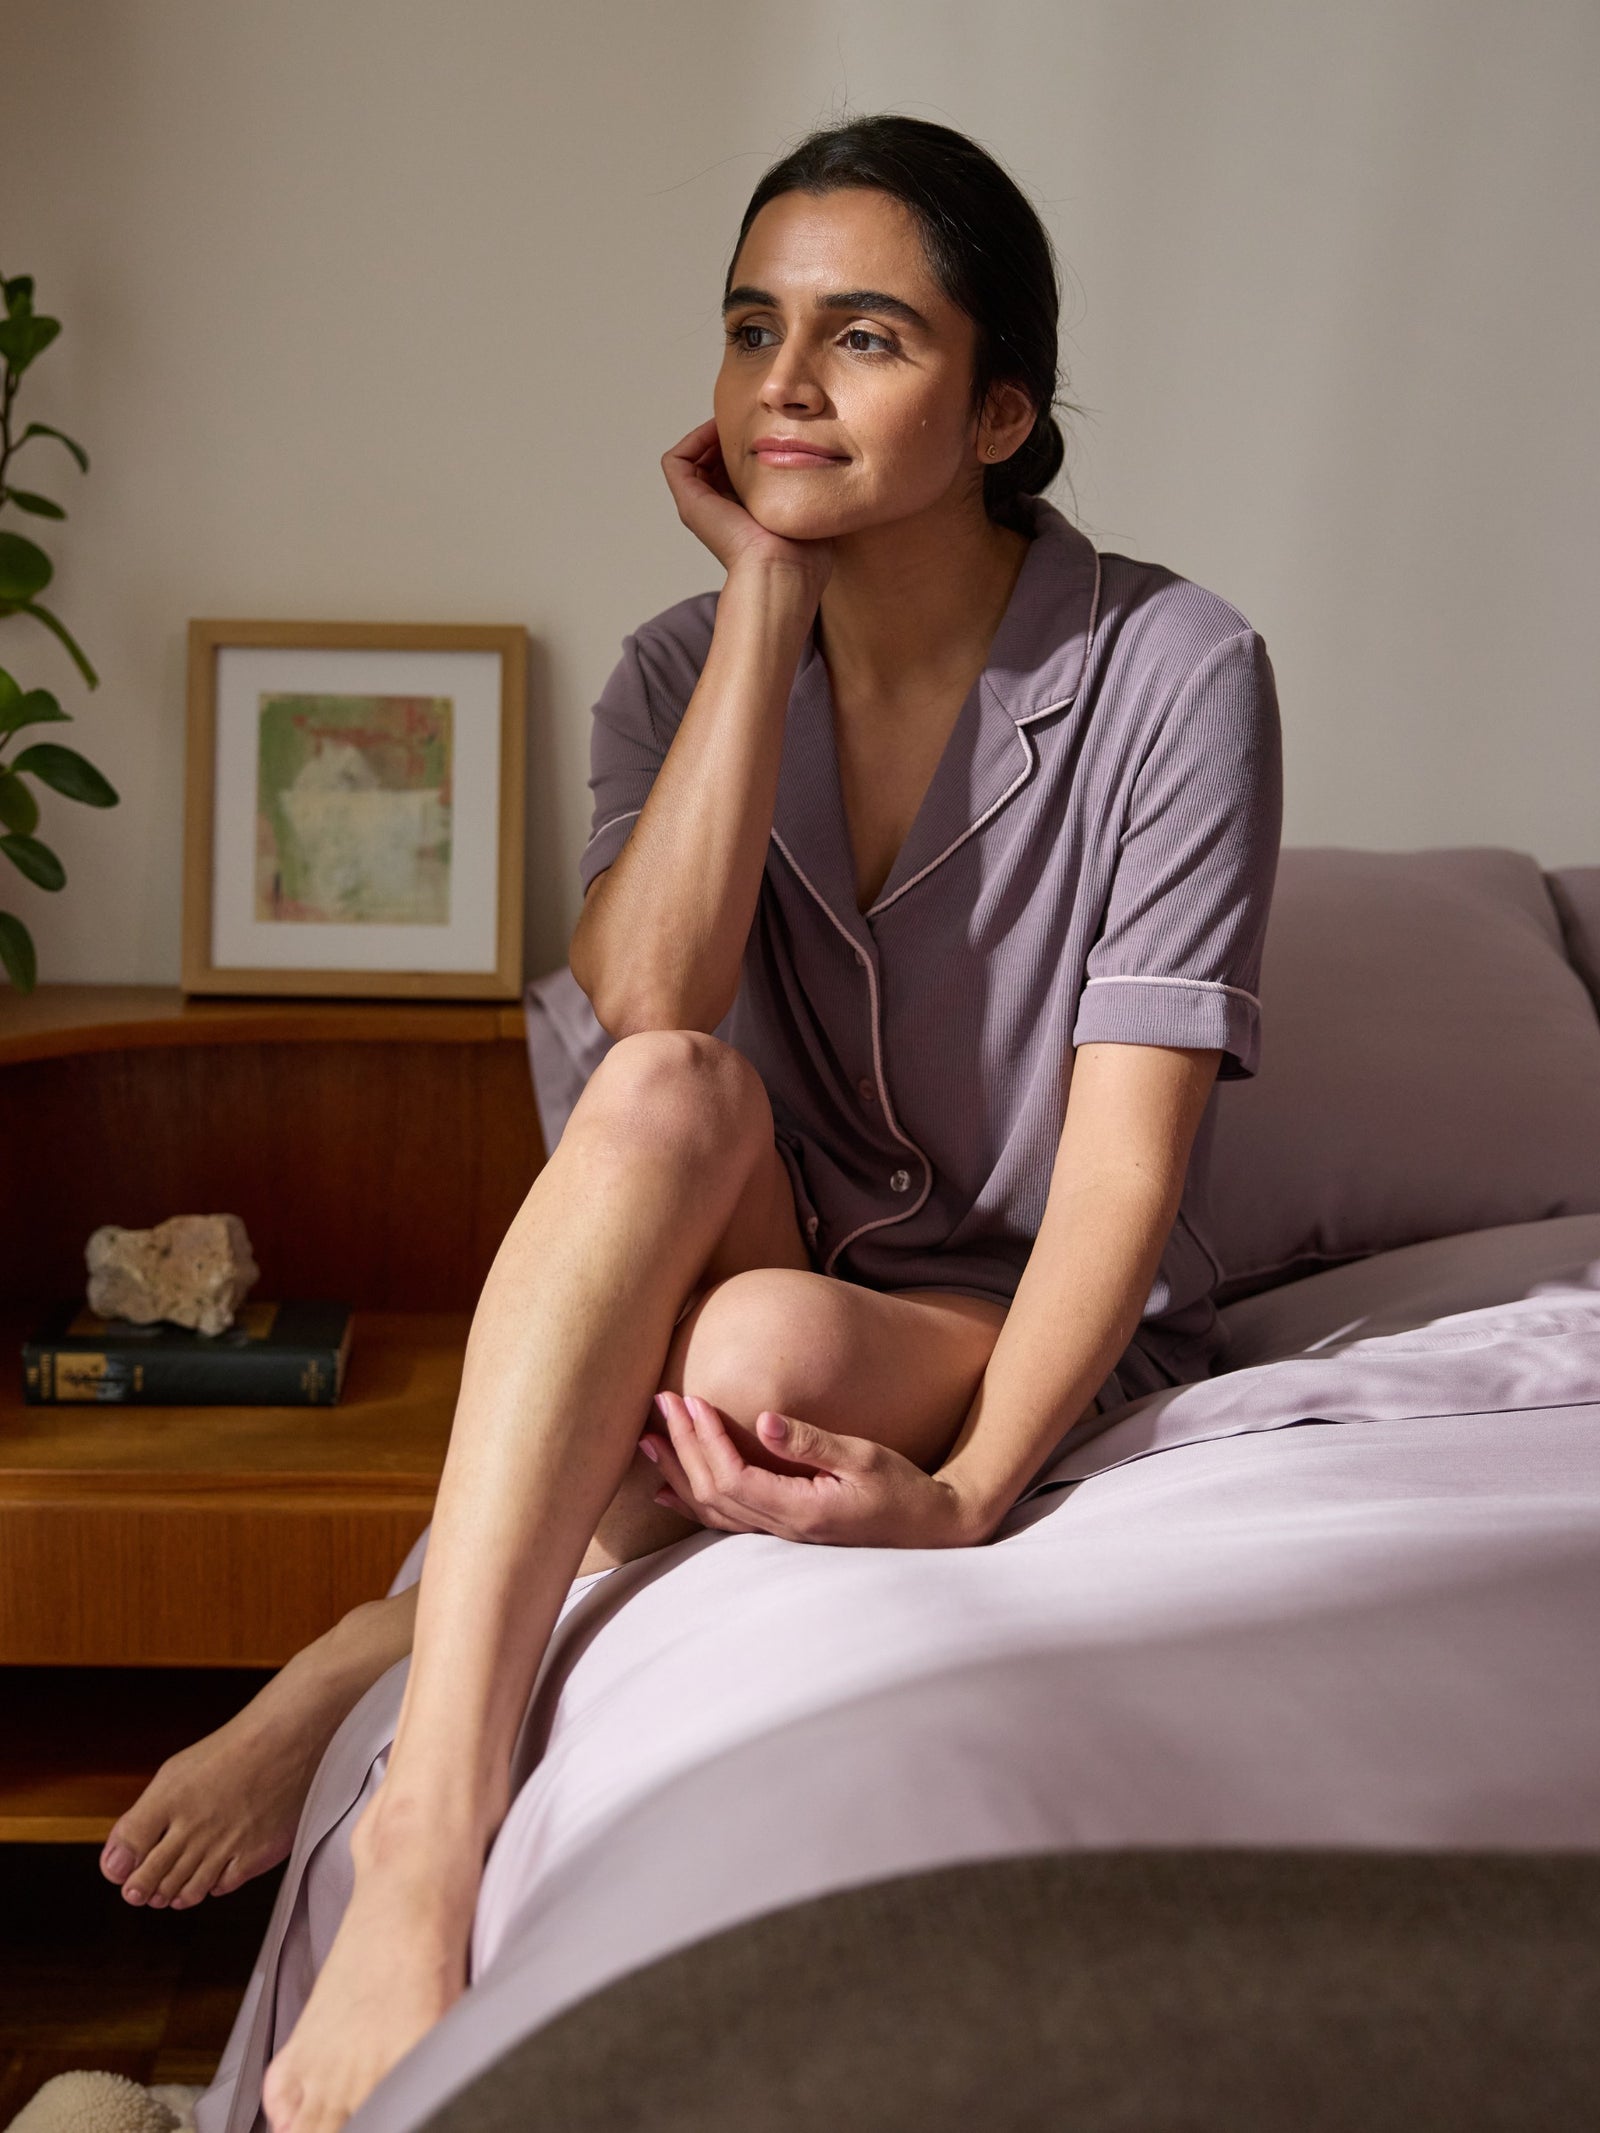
<point x="1430" y="1064"/>
<point x="1430" y="1059"/>
<point x="566" y="1042"/>
<point x="1575" y="892"/>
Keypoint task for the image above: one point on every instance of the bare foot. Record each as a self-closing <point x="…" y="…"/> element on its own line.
<point x="227" y="1808"/>
<point x="397" y="1963"/>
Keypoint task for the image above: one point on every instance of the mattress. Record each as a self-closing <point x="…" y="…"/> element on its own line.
<point x="1340" y="1594"/>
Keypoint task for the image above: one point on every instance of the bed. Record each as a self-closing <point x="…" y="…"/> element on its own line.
<point x="1250" y="1775"/>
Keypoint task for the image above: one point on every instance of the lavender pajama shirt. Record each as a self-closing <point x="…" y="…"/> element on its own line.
<point x="1092" y="862"/>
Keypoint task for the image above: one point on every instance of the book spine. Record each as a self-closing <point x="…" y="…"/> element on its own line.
<point x="54" y="1376"/>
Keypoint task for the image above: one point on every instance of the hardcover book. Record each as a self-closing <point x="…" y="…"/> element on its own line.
<point x="273" y="1355"/>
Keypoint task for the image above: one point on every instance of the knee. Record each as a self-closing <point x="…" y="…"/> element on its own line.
<point x="679" y="1086"/>
<point x="762" y="1338"/>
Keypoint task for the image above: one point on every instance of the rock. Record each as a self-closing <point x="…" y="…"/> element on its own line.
<point x="193" y="1269"/>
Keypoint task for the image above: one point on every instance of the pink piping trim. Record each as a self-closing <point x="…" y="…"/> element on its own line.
<point x="1210" y="984"/>
<point x="884" y="902"/>
<point x="615" y="819"/>
<point x="1017" y="782"/>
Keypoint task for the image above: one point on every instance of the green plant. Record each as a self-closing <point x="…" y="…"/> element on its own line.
<point x="25" y="571"/>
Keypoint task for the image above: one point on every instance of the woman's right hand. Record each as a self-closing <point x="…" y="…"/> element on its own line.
<point x="712" y="512"/>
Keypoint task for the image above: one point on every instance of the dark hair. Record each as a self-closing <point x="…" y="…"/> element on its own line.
<point x="987" y="249"/>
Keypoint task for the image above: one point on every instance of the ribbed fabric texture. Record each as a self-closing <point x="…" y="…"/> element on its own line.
<point x="1093" y="861"/>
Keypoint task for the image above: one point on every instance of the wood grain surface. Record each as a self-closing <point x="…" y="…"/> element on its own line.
<point x="381" y="1174"/>
<point x="220" y="1536"/>
<point x="376" y="1151"/>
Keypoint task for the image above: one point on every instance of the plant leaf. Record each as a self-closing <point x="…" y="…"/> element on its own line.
<point x="19" y="810"/>
<point x="25" y="569"/>
<point x="38" y="707"/>
<point x="18" y="292"/>
<point x="34" y="859"/>
<point x="26" y="500"/>
<point x="16" y="952"/>
<point x="47" y="429"/>
<point x="66" y="772"/>
<point x="24" y="335"/>
<point x="43" y="614"/>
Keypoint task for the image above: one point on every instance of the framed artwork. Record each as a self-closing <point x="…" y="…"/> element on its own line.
<point x="353" y="817"/>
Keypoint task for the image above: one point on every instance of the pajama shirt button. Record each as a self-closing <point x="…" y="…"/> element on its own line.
<point x="867" y="1090"/>
<point x="900" y="1181"/>
<point x="811" y="1225"/>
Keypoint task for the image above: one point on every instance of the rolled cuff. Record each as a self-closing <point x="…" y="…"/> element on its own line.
<point x="604" y="846"/>
<point x="1197" y="1012"/>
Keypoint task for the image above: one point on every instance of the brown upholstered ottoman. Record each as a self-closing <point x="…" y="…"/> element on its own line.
<point x="1124" y="1992"/>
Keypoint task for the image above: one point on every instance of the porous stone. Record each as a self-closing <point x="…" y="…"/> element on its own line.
<point x="192" y="1269"/>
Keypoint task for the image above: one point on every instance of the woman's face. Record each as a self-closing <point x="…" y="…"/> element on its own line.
<point x="838" y="336"/>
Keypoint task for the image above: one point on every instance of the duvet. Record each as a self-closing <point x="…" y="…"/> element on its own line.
<point x="1342" y="1593"/>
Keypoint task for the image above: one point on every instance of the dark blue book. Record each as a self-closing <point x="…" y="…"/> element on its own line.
<point x="273" y="1355"/>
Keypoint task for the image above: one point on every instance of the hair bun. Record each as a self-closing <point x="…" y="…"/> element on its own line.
<point x="1028" y="472"/>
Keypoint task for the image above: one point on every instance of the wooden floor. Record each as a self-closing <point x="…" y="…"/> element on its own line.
<point x="89" y="1981"/>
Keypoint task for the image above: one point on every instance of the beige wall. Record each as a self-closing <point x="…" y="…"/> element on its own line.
<point x="384" y="309"/>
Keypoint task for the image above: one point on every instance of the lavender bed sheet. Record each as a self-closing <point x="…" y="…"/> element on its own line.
<point x="1342" y="1594"/>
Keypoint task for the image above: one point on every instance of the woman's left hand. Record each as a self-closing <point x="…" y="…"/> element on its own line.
<point x="843" y="1491"/>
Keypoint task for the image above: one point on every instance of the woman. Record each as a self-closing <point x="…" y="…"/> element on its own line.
<point x="964" y="836"/>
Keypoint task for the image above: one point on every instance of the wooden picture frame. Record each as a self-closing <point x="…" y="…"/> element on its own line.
<point x="331" y="769"/>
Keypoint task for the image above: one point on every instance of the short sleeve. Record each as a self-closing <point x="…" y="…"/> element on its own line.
<point x="626" y="749"/>
<point x="1178" y="959"/>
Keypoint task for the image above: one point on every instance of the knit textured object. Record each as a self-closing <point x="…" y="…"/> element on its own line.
<point x="104" y="2103"/>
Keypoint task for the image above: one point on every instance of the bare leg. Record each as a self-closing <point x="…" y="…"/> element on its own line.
<point x="668" y="1147"/>
<point x="664" y="1176"/>
<point x="227" y="1807"/>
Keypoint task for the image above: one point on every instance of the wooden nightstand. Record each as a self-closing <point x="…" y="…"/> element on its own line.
<point x="376" y="1152"/>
